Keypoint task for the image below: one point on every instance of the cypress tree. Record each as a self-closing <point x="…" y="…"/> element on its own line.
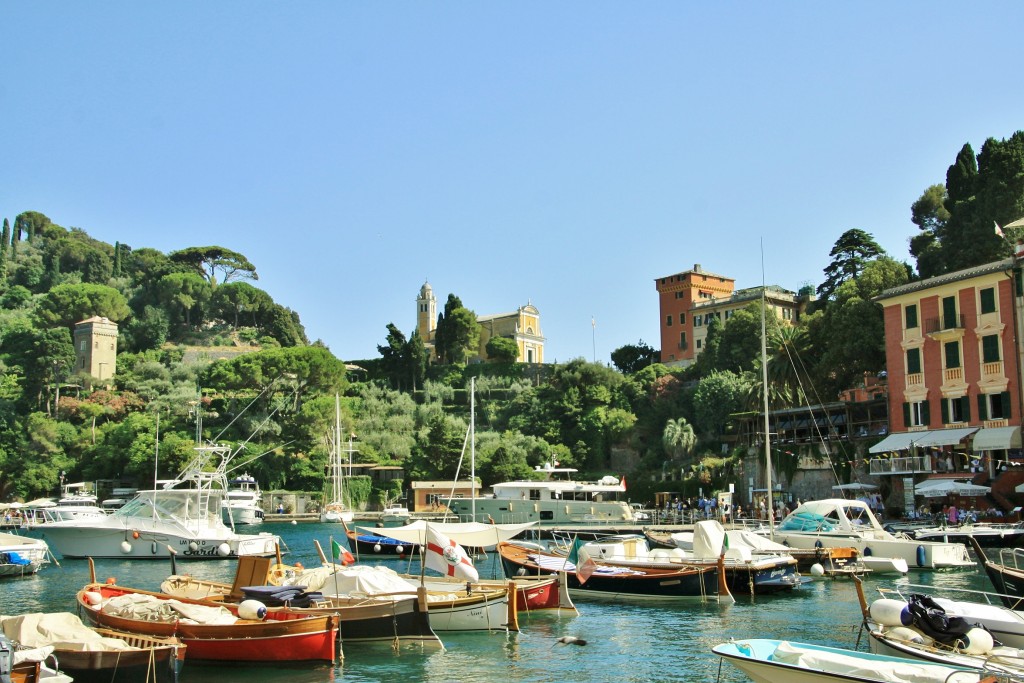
<point x="5" y="237"/>
<point x="117" y="260"/>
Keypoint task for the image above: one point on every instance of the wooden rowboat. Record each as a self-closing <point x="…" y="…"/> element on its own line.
<point x="614" y="583"/>
<point x="97" y="654"/>
<point x="284" y="635"/>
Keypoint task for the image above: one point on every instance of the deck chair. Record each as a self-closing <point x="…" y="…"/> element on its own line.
<point x="252" y="571"/>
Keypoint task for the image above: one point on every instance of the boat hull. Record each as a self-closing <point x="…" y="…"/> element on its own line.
<point x="21" y="556"/>
<point x="284" y="636"/>
<point x="917" y="554"/>
<point x="638" y="584"/>
<point x="162" y="656"/>
<point x="392" y="622"/>
<point x="755" y="658"/>
<point x="141" y="541"/>
<point x="1008" y="537"/>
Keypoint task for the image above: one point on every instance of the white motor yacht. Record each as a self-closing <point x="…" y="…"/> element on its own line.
<point x="242" y="503"/>
<point x="185" y="516"/>
<point x="837" y="522"/>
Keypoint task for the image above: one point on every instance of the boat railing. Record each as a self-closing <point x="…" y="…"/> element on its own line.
<point x="989" y="597"/>
<point x="1012" y="557"/>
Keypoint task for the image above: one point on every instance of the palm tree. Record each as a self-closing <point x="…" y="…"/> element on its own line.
<point x="788" y="347"/>
<point x="679" y="438"/>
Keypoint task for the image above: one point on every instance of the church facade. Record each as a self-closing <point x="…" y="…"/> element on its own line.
<point x="522" y="326"/>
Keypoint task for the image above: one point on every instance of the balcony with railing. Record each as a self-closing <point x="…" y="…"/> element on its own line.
<point x="944" y="322"/>
<point x="993" y="370"/>
<point x="915" y="379"/>
<point x="952" y="375"/>
<point x="903" y="465"/>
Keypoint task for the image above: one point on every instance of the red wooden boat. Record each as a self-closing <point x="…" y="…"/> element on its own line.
<point x="284" y="635"/>
<point x="539" y="593"/>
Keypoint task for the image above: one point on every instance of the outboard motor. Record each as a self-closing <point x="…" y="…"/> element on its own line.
<point x="6" y="659"/>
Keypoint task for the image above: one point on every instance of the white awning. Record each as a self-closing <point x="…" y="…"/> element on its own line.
<point x="896" y="442"/>
<point x="945" y="437"/>
<point x="997" y="438"/>
<point x="475" y="534"/>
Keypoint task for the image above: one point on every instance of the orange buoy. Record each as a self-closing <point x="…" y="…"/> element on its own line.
<point x="135" y="534"/>
<point x="111" y="580"/>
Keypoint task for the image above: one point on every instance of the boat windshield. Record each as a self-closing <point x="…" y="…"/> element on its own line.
<point x="173" y="505"/>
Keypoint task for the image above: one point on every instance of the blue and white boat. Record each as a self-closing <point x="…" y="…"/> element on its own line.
<point x="778" y="661"/>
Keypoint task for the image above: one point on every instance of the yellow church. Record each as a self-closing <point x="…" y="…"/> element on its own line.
<point x="521" y="326"/>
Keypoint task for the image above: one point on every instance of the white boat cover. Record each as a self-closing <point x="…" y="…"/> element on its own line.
<point x="708" y="538"/>
<point x="152" y="608"/>
<point x="363" y="581"/>
<point x="869" y="669"/>
<point x="472" y="534"/>
<point x="61" y="630"/>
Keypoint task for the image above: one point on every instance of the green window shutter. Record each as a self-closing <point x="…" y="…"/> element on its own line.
<point x="911" y="316"/>
<point x="1018" y="285"/>
<point x="913" y="361"/>
<point x="982" y="407"/>
<point x="926" y="413"/>
<point x="949" y="312"/>
<point x="988" y="300"/>
<point x="945" y="411"/>
<point x="906" y="415"/>
<point x="965" y="408"/>
<point x="952" y="354"/>
<point x="1005" y="400"/>
<point x="990" y="348"/>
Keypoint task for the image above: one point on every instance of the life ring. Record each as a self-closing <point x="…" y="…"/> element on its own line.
<point x="278" y="573"/>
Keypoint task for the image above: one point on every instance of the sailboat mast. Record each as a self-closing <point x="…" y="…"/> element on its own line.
<point x="764" y="391"/>
<point x="336" y="464"/>
<point x="472" y="445"/>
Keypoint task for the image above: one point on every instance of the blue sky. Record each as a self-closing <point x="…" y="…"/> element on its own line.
<point x="565" y="154"/>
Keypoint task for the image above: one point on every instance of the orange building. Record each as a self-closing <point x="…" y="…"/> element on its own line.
<point x="677" y="295"/>
<point x="953" y="361"/>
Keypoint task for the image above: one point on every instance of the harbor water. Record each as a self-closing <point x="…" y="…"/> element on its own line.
<point x="625" y="642"/>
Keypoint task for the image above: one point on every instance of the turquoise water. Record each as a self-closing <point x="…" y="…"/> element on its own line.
<point x="626" y="642"/>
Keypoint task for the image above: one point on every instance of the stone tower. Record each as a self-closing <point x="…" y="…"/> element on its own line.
<point x="96" y="348"/>
<point x="426" y="313"/>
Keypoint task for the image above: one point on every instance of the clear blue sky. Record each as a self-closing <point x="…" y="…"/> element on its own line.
<point x="562" y="153"/>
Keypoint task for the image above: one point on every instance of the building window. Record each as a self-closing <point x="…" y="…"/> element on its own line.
<point x="990" y="348"/>
<point x="913" y="361"/>
<point x="682" y="340"/>
<point x="682" y="318"/>
<point x="988" y="300"/>
<point x="916" y="414"/>
<point x="910" y="315"/>
<point x="956" y="410"/>
<point x="698" y="343"/>
<point x="994" y="406"/>
<point x="949" y="321"/>
<point x="952" y="354"/>
<point x="697" y="322"/>
<point x="668" y="320"/>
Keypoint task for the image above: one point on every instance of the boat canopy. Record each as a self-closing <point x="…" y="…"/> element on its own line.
<point x="472" y="534"/>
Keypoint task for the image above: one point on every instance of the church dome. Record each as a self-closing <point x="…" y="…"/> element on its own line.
<point x="426" y="291"/>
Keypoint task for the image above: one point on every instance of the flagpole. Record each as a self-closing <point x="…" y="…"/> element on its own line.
<point x="593" y="335"/>
<point x="334" y="567"/>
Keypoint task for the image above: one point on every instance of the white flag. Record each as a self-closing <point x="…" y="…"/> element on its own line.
<point x="999" y="231"/>
<point x="448" y="557"/>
